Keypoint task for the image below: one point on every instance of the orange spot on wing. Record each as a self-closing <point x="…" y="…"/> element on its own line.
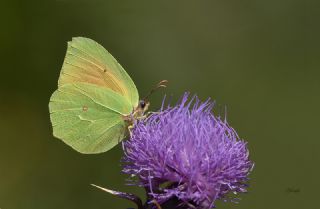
<point x="85" y="108"/>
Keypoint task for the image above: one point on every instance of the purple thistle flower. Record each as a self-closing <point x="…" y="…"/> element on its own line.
<point x="185" y="153"/>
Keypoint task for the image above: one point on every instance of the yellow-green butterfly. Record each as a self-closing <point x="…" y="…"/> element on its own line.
<point x="96" y="100"/>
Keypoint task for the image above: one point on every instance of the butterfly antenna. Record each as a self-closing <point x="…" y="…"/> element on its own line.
<point x="161" y="84"/>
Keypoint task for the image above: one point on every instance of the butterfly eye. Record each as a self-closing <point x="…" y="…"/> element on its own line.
<point x="142" y="103"/>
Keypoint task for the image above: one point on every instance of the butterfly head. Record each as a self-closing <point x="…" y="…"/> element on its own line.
<point x="143" y="105"/>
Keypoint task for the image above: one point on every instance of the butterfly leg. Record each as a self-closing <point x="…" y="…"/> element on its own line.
<point x="150" y="113"/>
<point x="130" y="130"/>
<point x="146" y="115"/>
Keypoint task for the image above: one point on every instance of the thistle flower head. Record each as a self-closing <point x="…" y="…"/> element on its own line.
<point x="186" y="153"/>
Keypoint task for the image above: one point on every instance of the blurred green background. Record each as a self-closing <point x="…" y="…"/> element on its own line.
<point x="259" y="58"/>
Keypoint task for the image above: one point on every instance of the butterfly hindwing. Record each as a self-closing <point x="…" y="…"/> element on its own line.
<point x="87" y="117"/>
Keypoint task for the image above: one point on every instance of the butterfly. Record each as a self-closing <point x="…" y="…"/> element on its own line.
<point x="96" y="102"/>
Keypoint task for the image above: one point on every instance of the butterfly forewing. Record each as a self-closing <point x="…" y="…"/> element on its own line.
<point x="87" y="61"/>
